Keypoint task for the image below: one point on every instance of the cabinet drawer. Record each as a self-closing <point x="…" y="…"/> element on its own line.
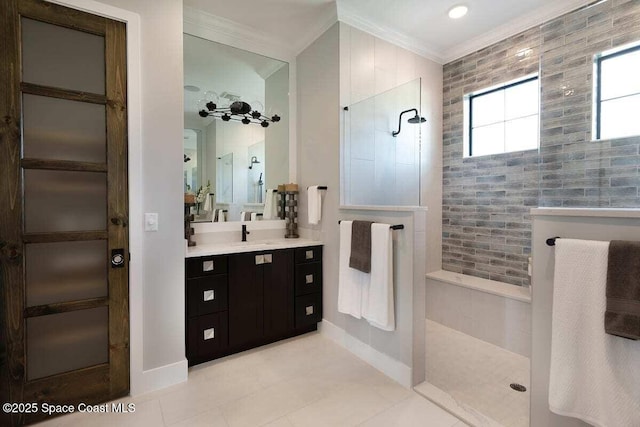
<point x="207" y="335"/>
<point x="206" y="295"/>
<point x="308" y="310"/>
<point x="308" y="278"/>
<point x="310" y="254"/>
<point x="206" y="266"/>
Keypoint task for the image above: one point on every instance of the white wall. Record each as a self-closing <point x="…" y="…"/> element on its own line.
<point x="325" y="71"/>
<point x="370" y="66"/>
<point x="276" y="88"/>
<point x="155" y="92"/>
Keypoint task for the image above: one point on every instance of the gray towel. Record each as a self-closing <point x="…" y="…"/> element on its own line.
<point x="360" y="257"/>
<point x="622" y="317"/>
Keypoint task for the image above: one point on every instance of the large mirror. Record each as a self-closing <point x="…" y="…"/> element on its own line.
<point x="236" y="136"/>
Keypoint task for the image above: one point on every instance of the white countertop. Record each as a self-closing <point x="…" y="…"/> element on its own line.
<point x="251" y="246"/>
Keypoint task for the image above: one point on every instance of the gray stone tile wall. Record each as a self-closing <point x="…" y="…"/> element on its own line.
<point x="574" y="170"/>
<point x="486" y="200"/>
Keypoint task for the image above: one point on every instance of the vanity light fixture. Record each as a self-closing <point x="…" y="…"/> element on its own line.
<point x="458" y="11"/>
<point x="238" y="111"/>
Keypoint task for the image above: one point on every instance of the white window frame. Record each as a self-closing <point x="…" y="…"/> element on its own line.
<point x="596" y="129"/>
<point x="468" y="113"/>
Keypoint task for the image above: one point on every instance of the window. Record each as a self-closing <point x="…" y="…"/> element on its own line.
<point x="617" y="103"/>
<point x="502" y="119"/>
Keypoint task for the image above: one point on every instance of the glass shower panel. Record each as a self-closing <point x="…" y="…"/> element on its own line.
<point x="61" y="57"/>
<point x="67" y="341"/>
<point x="65" y="271"/>
<point x="57" y="201"/>
<point x="378" y="168"/>
<point x="576" y="169"/>
<point x="59" y="129"/>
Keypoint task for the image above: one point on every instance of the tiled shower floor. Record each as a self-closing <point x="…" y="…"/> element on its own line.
<point x="477" y="374"/>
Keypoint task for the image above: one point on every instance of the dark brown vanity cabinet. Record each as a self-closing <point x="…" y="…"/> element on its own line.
<point x="240" y="301"/>
<point x="308" y="286"/>
<point x="206" y="308"/>
<point x="260" y="297"/>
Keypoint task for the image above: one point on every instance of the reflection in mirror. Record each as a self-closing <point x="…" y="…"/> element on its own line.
<point x="236" y="136"/>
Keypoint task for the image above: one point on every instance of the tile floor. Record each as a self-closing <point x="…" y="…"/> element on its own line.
<point x="304" y="381"/>
<point x="477" y="374"/>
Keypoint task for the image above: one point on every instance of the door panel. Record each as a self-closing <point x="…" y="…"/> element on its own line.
<point x="61" y="57"/>
<point x="65" y="271"/>
<point x="64" y="201"/>
<point x="245" y="300"/>
<point x="64" y="325"/>
<point x="67" y="341"/>
<point x="60" y="129"/>
<point x="278" y="294"/>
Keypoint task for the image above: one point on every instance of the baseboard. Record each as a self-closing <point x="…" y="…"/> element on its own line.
<point x="161" y="377"/>
<point x="389" y="366"/>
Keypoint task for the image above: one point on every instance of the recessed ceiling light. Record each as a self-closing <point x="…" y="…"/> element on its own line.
<point x="458" y="11"/>
<point x="191" y="88"/>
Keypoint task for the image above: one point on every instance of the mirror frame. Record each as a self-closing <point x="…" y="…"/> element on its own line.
<point x="210" y="27"/>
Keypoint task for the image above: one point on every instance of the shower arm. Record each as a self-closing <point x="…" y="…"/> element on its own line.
<point x="400" y="121"/>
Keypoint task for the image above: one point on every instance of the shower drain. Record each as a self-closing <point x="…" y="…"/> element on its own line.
<point x="518" y="387"/>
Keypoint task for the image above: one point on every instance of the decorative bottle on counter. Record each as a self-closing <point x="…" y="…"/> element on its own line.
<point x="291" y="211"/>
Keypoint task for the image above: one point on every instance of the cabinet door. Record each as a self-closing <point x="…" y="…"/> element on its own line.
<point x="278" y="293"/>
<point x="245" y="299"/>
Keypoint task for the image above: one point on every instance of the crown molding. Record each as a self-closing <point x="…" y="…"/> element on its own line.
<point x="222" y="30"/>
<point x="413" y="44"/>
<point x="513" y="27"/>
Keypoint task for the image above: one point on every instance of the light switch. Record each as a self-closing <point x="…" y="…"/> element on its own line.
<point x="150" y="222"/>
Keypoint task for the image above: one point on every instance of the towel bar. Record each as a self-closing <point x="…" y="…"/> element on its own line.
<point x="320" y="187"/>
<point x="393" y="227"/>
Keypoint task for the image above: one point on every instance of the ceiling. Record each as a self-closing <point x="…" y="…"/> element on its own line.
<point x="418" y="25"/>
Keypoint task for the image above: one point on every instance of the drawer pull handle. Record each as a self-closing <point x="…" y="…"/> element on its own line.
<point x="308" y="254"/>
<point x="209" y="295"/>
<point x="308" y="279"/>
<point x="209" y="334"/>
<point x="268" y="258"/>
<point x="207" y="265"/>
<point x="309" y="310"/>
<point x="259" y="259"/>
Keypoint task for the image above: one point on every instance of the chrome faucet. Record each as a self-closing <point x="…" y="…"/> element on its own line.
<point x="244" y="232"/>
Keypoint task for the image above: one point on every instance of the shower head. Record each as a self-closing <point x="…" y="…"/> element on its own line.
<point x="414" y="120"/>
<point x="254" y="160"/>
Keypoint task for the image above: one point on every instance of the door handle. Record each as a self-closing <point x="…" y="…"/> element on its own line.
<point x="268" y="258"/>
<point x="117" y="258"/>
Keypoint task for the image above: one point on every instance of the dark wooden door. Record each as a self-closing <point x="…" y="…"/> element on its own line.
<point x="246" y="309"/>
<point x="64" y="324"/>
<point x="278" y="294"/>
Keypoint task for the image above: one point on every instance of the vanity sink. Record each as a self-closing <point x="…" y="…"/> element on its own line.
<point x="251" y="246"/>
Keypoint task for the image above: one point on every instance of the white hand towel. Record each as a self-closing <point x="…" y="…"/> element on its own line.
<point x="314" y="197"/>
<point x="222" y="217"/>
<point x="243" y="216"/>
<point x="270" y="205"/>
<point x="594" y="376"/>
<point x="350" y="280"/>
<point x="208" y="204"/>
<point x="377" y="298"/>
<point x="254" y="216"/>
